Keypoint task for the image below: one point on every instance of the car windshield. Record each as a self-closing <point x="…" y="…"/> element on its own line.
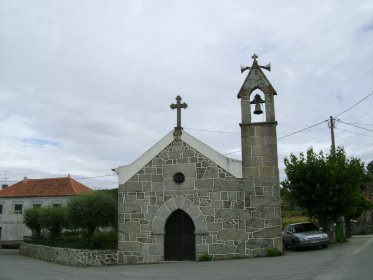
<point x="305" y="227"/>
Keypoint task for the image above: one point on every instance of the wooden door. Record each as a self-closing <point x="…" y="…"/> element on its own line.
<point x="179" y="238"/>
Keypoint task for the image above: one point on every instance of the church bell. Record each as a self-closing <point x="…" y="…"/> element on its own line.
<point x="258" y="109"/>
<point x="257" y="100"/>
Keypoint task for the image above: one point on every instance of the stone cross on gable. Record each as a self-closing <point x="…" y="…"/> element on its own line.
<point x="178" y="106"/>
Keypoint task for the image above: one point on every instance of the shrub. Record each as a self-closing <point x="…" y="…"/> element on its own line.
<point x="104" y="240"/>
<point x="98" y="241"/>
<point x="273" y="252"/>
<point x="205" y="257"/>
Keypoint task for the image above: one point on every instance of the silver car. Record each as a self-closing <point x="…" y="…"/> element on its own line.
<point x="302" y="235"/>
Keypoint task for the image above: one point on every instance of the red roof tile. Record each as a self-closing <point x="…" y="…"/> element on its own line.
<point x="65" y="186"/>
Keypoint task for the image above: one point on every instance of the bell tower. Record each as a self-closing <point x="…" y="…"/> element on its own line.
<point x="258" y="139"/>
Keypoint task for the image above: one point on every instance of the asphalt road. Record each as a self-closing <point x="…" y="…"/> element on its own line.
<point x="351" y="260"/>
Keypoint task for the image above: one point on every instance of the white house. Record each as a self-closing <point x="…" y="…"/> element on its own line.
<point x="14" y="200"/>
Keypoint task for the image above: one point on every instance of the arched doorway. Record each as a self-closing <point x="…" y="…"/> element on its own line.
<point x="179" y="239"/>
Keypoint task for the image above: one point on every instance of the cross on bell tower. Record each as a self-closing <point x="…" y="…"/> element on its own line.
<point x="178" y="106"/>
<point x="254" y="56"/>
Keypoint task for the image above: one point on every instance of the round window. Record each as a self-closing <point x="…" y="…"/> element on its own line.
<point x="179" y="178"/>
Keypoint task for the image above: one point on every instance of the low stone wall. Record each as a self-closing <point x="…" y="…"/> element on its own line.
<point x="10" y="244"/>
<point x="68" y="256"/>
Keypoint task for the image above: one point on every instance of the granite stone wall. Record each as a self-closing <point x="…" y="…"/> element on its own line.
<point x="259" y="156"/>
<point x="74" y="257"/>
<point x="233" y="217"/>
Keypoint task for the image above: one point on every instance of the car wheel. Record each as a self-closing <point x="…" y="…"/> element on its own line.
<point x="325" y="246"/>
<point x="294" y="245"/>
<point x="286" y="246"/>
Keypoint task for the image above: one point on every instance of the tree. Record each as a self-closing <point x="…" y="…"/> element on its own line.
<point x="369" y="173"/>
<point x="326" y="186"/>
<point x="370" y="167"/>
<point x="53" y="219"/>
<point x="31" y="220"/>
<point x="90" y="211"/>
<point x="110" y="192"/>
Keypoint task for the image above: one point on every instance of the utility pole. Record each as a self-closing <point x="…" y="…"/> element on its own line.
<point x="331" y="125"/>
<point x="340" y="229"/>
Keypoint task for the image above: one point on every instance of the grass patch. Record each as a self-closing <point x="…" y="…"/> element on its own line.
<point x="273" y="252"/>
<point x="205" y="258"/>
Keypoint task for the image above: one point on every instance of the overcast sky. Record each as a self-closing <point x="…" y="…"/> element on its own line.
<point x="85" y="86"/>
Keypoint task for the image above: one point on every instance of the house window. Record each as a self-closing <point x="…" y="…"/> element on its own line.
<point x="1" y="209"/>
<point x="36" y="205"/>
<point x="18" y="208"/>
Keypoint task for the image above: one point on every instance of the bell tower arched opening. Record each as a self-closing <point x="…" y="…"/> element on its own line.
<point x="258" y="108"/>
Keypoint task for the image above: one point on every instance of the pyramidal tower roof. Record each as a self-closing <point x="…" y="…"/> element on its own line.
<point x="256" y="79"/>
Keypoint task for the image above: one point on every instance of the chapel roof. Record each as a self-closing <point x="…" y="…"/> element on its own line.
<point x="65" y="186"/>
<point x="233" y="166"/>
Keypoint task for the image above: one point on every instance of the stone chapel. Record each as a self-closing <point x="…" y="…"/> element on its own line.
<point x="182" y="199"/>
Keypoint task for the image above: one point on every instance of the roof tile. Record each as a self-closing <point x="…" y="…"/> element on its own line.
<point x="65" y="186"/>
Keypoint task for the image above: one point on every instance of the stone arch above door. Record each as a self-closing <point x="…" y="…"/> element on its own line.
<point x="179" y="202"/>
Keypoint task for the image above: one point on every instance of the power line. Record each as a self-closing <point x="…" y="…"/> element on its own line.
<point x="99" y="176"/>
<point x="301" y="130"/>
<point x="317" y="129"/>
<point x="230" y="132"/>
<point x="354" y="105"/>
<point x="298" y="131"/>
<point x="355" y="125"/>
<point x="292" y="133"/>
<point x="81" y="178"/>
<point x="11" y="181"/>
<point x="363" y="123"/>
<point x="215" y="131"/>
<point x="288" y="135"/>
<point x="233" y="152"/>
<point x="354" y="132"/>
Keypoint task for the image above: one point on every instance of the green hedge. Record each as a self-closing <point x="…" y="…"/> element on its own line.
<point x="98" y="241"/>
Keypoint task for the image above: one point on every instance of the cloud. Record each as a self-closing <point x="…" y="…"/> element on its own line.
<point x="86" y="86"/>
